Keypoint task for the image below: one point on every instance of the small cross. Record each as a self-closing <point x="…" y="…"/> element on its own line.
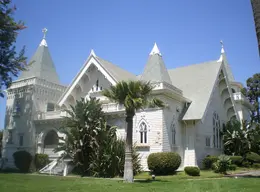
<point x="222" y="44"/>
<point x="44" y="32"/>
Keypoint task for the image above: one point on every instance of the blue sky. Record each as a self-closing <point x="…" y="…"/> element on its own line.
<point x="123" y="32"/>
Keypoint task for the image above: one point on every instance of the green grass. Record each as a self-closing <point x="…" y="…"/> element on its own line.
<point x="37" y="183"/>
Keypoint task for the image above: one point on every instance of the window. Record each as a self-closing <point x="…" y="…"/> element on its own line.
<point x="216" y="131"/>
<point x="173" y="136"/>
<point x="143" y="132"/>
<point x="50" y="106"/>
<point x="10" y="137"/>
<point x="207" y="141"/>
<point x="97" y="85"/>
<point x="21" y="140"/>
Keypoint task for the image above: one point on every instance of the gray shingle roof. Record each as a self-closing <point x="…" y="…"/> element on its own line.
<point x="42" y="66"/>
<point x="115" y="71"/>
<point x="155" y="70"/>
<point x="197" y="82"/>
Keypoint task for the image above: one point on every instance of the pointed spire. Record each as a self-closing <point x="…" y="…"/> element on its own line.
<point x="155" y="69"/>
<point x="155" y="50"/>
<point x="92" y="53"/>
<point x="223" y="59"/>
<point x="42" y="65"/>
<point x="43" y="42"/>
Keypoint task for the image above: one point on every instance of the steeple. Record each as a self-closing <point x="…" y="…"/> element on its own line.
<point x="41" y="64"/>
<point x="155" y="70"/>
<point x="223" y="58"/>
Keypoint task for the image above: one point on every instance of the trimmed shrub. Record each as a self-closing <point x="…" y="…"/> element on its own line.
<point x="208" y="161"/>
<point x="192" y="171"/>
<point x="163" y="163"/>
<point x="237" y="160"/>
<point x="41" y="160"/>
<point x="252" y="157"/>
<point x="232" y="167"/>
<point x="246" y="164"/>
<point x="22" y="160"/>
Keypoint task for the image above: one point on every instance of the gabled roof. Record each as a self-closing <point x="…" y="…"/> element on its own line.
<point x="42" y="65"/>
<point x="115" y="71"/>
<point x="197" y="83"/>
<point x="155" y="70"/>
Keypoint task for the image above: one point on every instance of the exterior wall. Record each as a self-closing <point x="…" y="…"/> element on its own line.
<point x="205" y="128"/>
<point x="25" y="100"/>
<point x="173" y="132"/>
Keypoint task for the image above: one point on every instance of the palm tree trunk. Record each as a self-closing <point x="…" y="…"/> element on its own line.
<point x="128" y="167"/>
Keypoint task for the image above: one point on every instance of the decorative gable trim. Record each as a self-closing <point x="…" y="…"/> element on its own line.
<point x="91" y="60"/>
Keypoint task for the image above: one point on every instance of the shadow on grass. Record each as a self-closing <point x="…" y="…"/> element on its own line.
<point x="150" y="181"/>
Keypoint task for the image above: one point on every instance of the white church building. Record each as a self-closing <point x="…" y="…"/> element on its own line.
<point x="200" y="99"/>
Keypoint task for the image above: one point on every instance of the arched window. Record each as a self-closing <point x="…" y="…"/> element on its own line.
<point x="216" y="131"/>
<point x="143" y="132"/>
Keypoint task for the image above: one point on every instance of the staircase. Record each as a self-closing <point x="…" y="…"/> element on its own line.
<point x="190" y="158"/>
<point x="55" y="168"/>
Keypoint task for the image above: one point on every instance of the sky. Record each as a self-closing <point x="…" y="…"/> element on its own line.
<point x="123" y="32"/>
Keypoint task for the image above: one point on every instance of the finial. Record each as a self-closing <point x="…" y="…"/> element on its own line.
<point x="44" y="30"/>
<point x="222" y="47"/>
<point x="155" y="50"/>
<point x="92" y="53"/>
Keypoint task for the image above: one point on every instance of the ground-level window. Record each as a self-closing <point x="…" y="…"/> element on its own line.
<point x="143" y="132"/>
<point x="207" y="141"/>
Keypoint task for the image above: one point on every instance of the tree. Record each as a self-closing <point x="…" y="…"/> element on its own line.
<point x="252" y="92"/>
<point x="133" y="95"/>
<point x="236" y="138"/>
<point x="1" y="142"/>
<point x="11" y="62"/>
<point x="82" y="126"/>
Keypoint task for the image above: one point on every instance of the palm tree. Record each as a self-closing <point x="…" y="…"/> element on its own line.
<point x="134" y="95"/>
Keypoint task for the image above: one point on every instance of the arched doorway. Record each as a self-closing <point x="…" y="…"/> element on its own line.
<point x="51" y="140"/>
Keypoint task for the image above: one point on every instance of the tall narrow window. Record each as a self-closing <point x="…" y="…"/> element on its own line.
<point x="173" y="136"/>
<point x="207" y="141"/>
<point x="21" y="140"/>
<point x="143" y="132"/>
<point x="10" y="137"/>
<point x="216" y="131"/>
<point x="97" y="85"/>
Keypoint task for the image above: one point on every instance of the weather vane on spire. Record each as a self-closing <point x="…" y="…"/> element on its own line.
<point x="44" y="32"/>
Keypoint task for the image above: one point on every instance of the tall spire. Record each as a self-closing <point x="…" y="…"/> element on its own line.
<point x="223" y="58"/>
<point x="41" y="65"/>
<point x="155" y="70"/>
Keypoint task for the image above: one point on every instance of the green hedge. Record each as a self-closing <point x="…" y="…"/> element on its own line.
<point x="236" y="160"/>
<point x="208" y="161"/>
<point x="192" y="171"/>
<point x="22" y="160"/>
<point x="253" y="157"/>
<point x="41" y="160"/>
<point x="163" y="163"/>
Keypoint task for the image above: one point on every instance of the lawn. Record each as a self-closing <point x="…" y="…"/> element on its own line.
<point x="37" y="183"/>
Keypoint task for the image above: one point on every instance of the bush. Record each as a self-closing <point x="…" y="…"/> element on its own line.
<point x="232" y="167"/>
<point x="22" y="160"/>
<point x="192" y="171"/>
<point x="252" y="157"/>
<point x="208" y="161"/>
<point x="237" y="160"/>
<point x="222" y="165"/>
<point x="163" y="163"/>
<point x="256" y="166"/>
<point x="246" y="164"/>
<point x="41" y="160"/>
